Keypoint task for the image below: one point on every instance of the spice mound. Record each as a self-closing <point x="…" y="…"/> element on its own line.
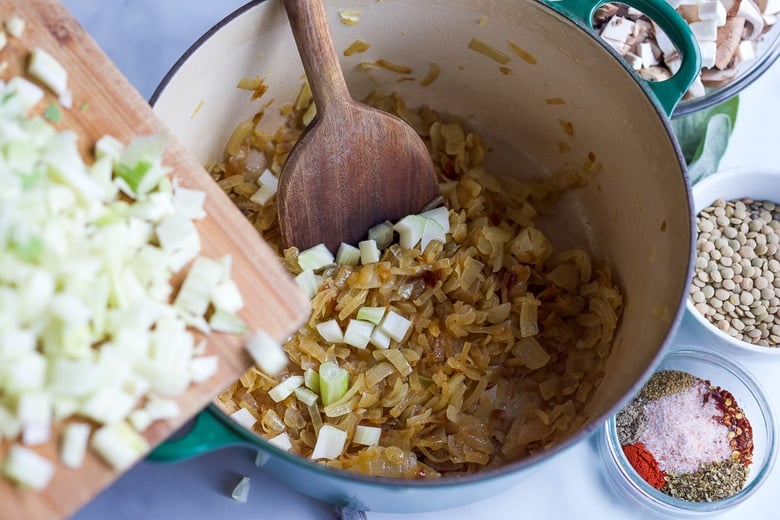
<point x="687" y="438"/>
<point x="736" y="282"/>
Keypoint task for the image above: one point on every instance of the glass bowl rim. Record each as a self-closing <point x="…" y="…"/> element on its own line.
<point x="651" y="496"/>
<point x="745" y="77"/>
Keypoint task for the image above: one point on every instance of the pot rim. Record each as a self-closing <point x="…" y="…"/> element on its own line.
<point x="507" y="470"/>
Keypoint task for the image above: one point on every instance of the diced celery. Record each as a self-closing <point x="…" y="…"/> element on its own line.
<point x="334" y="382"/>
<point x="371" y="314"/>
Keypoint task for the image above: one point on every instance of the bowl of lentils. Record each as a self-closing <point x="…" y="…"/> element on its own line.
<point x="735" y="289"/>
<point x="698" y="438"/>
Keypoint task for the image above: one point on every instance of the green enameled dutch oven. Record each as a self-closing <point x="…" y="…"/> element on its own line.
<point x="636" y="214"/>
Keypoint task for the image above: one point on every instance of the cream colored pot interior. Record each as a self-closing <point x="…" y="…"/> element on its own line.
<point x="634" y="214"/>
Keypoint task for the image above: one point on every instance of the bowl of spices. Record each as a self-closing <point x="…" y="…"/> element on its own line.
<point x="735" y="289"/>
<point x="698" y="438"/>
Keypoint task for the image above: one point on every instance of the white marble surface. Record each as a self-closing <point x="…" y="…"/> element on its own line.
<point x="144" y="38"/>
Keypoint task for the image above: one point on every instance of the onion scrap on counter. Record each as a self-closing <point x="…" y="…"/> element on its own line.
<point x="507" y="338"/>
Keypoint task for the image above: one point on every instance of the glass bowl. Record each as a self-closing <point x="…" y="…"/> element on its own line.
<point x="758" y="52"/>
<point x="733" y="184"/>
<point x="720" y="371"/>
<point x="767" y="52"/>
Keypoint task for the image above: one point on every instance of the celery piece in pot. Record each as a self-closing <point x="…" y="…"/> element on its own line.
<point x="334" y="382"/>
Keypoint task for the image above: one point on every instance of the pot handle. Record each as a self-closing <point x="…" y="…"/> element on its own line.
<point x="209" y="432"/>
<point x="667" y="92"/>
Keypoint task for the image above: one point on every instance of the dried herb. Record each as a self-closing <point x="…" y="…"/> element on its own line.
<point x="666" y="382"/>
<point x="714" y="481"/>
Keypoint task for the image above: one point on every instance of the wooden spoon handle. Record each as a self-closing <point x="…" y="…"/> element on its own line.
<point x="312" y="35"/>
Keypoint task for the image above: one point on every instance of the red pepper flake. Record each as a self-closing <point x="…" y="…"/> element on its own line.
<point x="740" y="432"/>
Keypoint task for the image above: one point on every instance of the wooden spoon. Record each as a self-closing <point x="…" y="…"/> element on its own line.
<point x="354" y="166"/>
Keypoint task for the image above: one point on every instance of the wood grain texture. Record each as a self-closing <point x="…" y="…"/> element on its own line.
<point x="354" y="166"/>
<point x="273" y="301"/>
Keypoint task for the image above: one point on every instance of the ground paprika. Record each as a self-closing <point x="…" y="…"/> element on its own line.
<point x="645" y="464"/>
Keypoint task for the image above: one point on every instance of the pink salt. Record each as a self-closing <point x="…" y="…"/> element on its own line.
<point x="683" y="432"/>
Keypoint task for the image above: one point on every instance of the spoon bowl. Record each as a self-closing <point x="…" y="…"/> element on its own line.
<point x="354" y="166"/>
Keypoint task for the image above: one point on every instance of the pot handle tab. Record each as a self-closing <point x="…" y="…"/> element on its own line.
<point x="667" y="92"/>
<point x="208" y="433"/>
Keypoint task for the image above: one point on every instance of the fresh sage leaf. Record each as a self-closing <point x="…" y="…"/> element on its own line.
<point x="712" y="148"/>
<point x="702" y="141"/>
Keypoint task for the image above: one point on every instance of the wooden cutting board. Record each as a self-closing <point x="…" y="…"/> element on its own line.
<point x="104" y="102"/>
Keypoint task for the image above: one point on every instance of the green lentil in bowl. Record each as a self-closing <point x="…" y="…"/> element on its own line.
<point x="735" y="288"/>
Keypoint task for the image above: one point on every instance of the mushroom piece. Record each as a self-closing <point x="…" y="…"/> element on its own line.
<point x="655" y="73"/>
<point x="729" y="36"/>
<point x="717" y="77"/>
<point x="754" y="21"/>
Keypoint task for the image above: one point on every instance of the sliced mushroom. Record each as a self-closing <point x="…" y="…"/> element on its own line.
<point x="754" y="25"/>
<point x="729" y="37"/>
<point x="717" y="77"/>
<point x="655" y="73"/>
<point x="732" y="7"/>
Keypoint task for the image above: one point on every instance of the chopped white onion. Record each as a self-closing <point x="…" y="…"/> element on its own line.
<point x="330" y="442"/>
<point x="308" y="282"/>
<point x="441" y="215"/>
<point x="315" y="257"/>
<point x="331" y="331"/>
<point x="367" y="435"/>
<point x="27" y="92"/>
<point x="284" y="389"/>
<point x="162" y="409"/>
<point x="15" y="26"/>
<point x="89" y="270"/>
<point x="202" y="368"/>
<point x="382" y="234"/>
<point x="266" y="352"/>
<point x="369" y="252"/>
<point x="395" y="325"/>
<point x="34" y="411"/>
<point x="379" y="339"/>
<point x="244" y="417"/>
<point x="75" y="439"/>
<point x="119" y="445"/>
<point x="228" y="322"/>
<point x="269" y="184"/>
<point x="45" y="68"/>
<point x="241" y="491"/>
<point x="306" y="396"/>
<point x="26" y="467"/>
<point x="189" y="203"/>
<point x="410" y="230"/>
<point x="227" y="297"/>
<point x="199" y="285"/>
<point x="358" y="333"/>
<point x="433" y="231"/>
<point x="347" y="254"/>
<point x="281" y="441"/>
